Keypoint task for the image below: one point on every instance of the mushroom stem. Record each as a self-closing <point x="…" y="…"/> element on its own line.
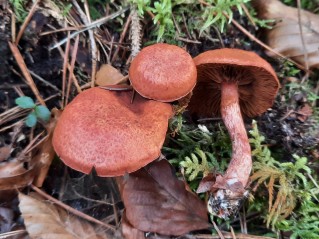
<point x="237" y="174"/>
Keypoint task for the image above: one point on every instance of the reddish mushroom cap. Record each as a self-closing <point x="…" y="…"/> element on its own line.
<point x="257" y="81"/>
<point x="104" y="130"/>
<point x="163" y="72"/>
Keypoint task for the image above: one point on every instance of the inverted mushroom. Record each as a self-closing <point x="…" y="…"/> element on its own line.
<point x="232" y="83"/>
<point x="101" y="129"/>
<point x="163" y="72"/>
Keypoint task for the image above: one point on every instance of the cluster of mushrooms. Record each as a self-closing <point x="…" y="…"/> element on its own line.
<point x="108" y="131"/>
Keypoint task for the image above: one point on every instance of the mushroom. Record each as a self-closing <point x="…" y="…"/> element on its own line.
<point x="233" y="82"/>
<point x="101" y="129"/>
<point x="163" y="72"/>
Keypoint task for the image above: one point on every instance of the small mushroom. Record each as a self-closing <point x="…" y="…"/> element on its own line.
<point x="232" y="83"/>
<point x="163" y="72"/>
<point x="101" y="129"/>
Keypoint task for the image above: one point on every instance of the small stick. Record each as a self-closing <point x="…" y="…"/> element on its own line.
<point x="18" y="57"/>
<point x="90" y="26"/>
<point x="45" y="81"/>
<point x="72" y="210"/>
<point x="253" y="38"/>
<point x="26" y="21"/>
<point x="65" y="65"/>
<point x="305" y="53"/>
<point x="243" y="6"/>
<point x="75" y="81"/>
<point x="13" y="27"/>
<point x="220" y="234"/>
<point x="121" y="38"/>
<point x="74" y="52"/>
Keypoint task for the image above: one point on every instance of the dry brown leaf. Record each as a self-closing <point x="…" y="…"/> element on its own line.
<point x="285" y="37"/>
<point x="128" y="231"/>
<point x="6" y="219"/>
<point x="156" y="201"/>
<point x="44" y="220"/>
<point x="14" y="175"/>
<point x="304" y="113"/>
<point x="108" y="75"/>
<point x="44" y="158"/>
<point x="5" y="152"/>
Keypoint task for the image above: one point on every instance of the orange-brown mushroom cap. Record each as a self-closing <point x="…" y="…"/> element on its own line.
<point x="104" y="130"/>
<point x="163" y="72"/>
<point x="257" y="81"/>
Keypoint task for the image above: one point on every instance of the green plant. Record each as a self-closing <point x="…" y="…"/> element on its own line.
<point x="193" y="165"/>
<point x="162" y="11"/>
<point x="215" y="9"/>
<point x="19" y="9"/>
<point x="286" y="182"/>
<point x="197" y="150"/>
<point x="38" y="111"/>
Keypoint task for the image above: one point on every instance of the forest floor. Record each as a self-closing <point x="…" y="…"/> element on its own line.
<point x="35" y="62"/>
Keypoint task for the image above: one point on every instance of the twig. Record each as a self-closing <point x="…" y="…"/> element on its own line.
<point x="243" y="6"/>
<point x="135" y="32"/>
<point x="44" y="81"/>
<point x="18" y="57"/>
<point x="11" y="234"/>
<point x="72" y="210"/>
<point x="13" y="27"/>
<point x="220" y="234"/>
<point x="65" y="65"/>
<point x="87" y="20"/>
<point x="26" y="21"/>
<point x="305" y="53"/>
<point x="188" y="40"/>
<point x="74" y="52"/>
<point x="90" y="26"/>
<point x="253" y="38"/>
<point x="232" y="233"/>
<point x="125" y="28"/>
<point x="75" y="81"/>
<point x="228" y="235"/>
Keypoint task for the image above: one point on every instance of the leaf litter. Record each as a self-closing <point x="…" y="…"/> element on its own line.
<point x="154" y="194"/>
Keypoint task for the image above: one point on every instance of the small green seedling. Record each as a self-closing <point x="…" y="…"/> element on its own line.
<point x="38" y="111"/>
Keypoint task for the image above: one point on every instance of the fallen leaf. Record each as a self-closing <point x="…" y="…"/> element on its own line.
<point x="6" y="219"/>
<point x="45" y="220"/>
<point x="44" y="158"/>
<point x="156" y="201"/>
<point x="14" y="175"/>
<point x="5" y="152"/>
<point x="128" y="231"/>
<point x="108" y="75"/>
<point x="285" y="36"/>
<point x="206" y="184"/>
<point x="304" y="113"/>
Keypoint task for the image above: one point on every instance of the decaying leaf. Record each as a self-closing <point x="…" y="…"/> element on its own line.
<point x="108" y="75"/>
<point x="128" y="231"/>
<point x="5" y="152"/>
<point x="156" y="201"/>
<point x="6" y="219"/>
<point x="14" y="175"/>
<point x="206" y="184"/>
<point x="18" y="173"/>
<point x="44" y="158"/>
<point x="304" y="113"/>
<point x="44" y="220"/>
<point x="285" y="37"/>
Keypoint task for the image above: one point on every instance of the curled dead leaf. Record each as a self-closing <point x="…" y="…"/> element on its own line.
<point x="14" y="175"/>
<point x="5" y="152"/>
<point x="45" y="220"/>
<point x="108" y="75"/>
<point x="285" y="37"/>
<point x="156" y="201"/>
